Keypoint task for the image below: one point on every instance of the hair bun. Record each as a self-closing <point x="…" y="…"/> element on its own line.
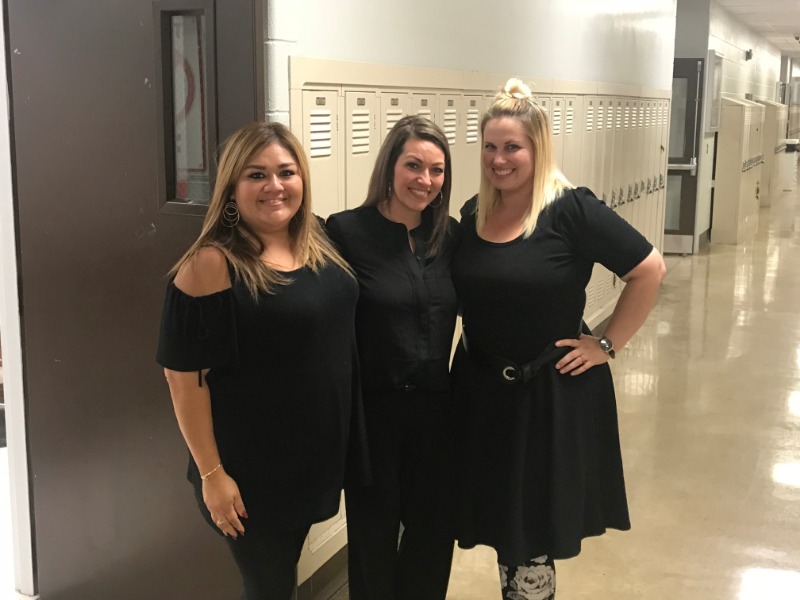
<point x="516" y="89"/>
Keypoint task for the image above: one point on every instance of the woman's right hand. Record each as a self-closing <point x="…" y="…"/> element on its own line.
<point x="224" y="502"/>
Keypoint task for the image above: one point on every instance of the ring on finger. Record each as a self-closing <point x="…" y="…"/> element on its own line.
<point x="220" y="522"/>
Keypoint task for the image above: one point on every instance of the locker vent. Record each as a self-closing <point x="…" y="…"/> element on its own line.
<point x="618" y="113"/>
<point x="600" y="117"/>
<point x="450" y="124"/>
<point x="361" y="126"/>
<point x="425" y="112"/>
<point x="641" y="115"/>
<point x="610" y="117"/>
<point x="626" y="121"/>
<point x="556" y="120"/>
<point x="393" y="116"/>
<point x="589" y="118"/>
<point x="473" y="115"/>
<point x="321" y="133"/>
<point x="569" y="120"/>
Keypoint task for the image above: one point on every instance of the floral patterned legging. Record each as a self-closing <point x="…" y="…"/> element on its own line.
<point x="534" y="580"/>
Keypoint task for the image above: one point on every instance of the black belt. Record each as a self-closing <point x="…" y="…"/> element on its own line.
<point x="506" y="370"/>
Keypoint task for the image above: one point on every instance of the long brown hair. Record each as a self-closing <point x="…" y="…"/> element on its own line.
<point x="516" y="101"/>
<point x="240" y="244"/>
<point x="407" y="128"/>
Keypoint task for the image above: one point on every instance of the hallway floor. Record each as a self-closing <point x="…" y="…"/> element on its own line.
<point x="709" y="405"/>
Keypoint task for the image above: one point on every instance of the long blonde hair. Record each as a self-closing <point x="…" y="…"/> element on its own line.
<point x="515" y="101"/>
<point x="242" y="245"/>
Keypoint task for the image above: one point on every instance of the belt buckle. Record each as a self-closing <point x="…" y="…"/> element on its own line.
<point x="510" y="373"/>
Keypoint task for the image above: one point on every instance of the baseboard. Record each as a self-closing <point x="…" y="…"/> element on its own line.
<point x="327" y="580"/>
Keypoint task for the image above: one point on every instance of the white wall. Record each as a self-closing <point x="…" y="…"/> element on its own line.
<point x="614" y="41"/>
<point x="691" y="31"/>
<point x="731" y="38"/>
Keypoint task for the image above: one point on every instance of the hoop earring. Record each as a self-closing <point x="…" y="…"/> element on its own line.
<point x="230" y="215"/>
<point x="435" y="203"/>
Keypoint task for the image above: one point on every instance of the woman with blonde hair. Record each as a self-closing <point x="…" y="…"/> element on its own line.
<point x="258" y="347"/>
<point x="539" y="464"/>
<point x="400" y="243"/>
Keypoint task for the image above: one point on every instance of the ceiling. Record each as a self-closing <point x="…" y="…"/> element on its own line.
<point x="778" y="21"/>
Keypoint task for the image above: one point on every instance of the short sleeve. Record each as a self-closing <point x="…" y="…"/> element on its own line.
<point x="597" y="233"/>
<point x="197" y="332"/>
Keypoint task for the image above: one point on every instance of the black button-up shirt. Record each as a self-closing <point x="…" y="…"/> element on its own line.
<point x="406" y="310"/>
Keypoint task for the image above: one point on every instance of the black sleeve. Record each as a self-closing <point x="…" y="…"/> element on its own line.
<point x="335" y="233"/>
<point x="197" y="332"/>
<point x="469" y="208"/>
<point x="599" y="234"/>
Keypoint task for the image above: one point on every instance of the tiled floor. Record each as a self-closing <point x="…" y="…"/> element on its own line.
<point x="709" y="404"/>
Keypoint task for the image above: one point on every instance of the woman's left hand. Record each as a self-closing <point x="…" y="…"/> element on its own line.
<point x="585" y="354"/>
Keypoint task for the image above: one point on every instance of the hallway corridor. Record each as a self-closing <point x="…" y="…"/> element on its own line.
<point x="709" y="404"/>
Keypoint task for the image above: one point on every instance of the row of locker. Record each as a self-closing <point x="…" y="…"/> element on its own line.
<point x="740" y="154"/>
<point x="613" y="145"/>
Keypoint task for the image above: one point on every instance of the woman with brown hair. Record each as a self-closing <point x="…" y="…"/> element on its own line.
<point x="400" y="243"/>
<point x="258" y="347"/>
<point x="539" y="465"/>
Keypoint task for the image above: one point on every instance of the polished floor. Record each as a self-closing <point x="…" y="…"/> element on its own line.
<point x="709" y="405"/>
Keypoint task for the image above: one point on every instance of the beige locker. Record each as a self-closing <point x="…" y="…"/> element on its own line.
<point x="663" y="112"/>
<point x="451" y="119"/>
<point x="323" y="542"/>
<point x="774" y="130"/>
<point x="608" y="151"/>
<point x="322" y="144"/>
<point x="648" y="221"/>
<point x="600" y="148"/>
<point x="573" y="138"/>
<point x="545" y="103"/>
<point x="424" y="105"/>
<point x="557" y="127"/>
<point x="637" y="213"/>
<point x="618" y="160"/>
<point x="361" y="144"/>
<point x="470" y="171"/>
<point x="588" y="147"/>
<point x="625" y="201"/>
<point x="394" y="106"/>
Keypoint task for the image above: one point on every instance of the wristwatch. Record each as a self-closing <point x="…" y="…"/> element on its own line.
<point x="607" y="346"/>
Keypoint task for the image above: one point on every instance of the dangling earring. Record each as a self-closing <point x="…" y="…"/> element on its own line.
<point x="230" y="214"/>
<point x="438" y="202"/>
<point x="389" y="191"/>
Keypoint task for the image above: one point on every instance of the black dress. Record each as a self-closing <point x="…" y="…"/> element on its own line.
<point x="284" y="391"/>
<point x="539" y="464"/>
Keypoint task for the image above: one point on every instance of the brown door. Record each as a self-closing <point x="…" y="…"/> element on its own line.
<point x="116" y="109"/>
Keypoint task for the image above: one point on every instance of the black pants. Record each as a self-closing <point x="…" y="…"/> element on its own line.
<point x="408" y="442"/>
<point x="266" y="555"/>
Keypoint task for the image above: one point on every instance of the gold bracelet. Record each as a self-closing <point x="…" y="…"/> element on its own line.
<point x="211" y="472"/>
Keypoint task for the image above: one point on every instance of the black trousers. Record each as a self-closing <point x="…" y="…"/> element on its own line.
<point x="266" y="555"/>
<point x="408" y="445"/>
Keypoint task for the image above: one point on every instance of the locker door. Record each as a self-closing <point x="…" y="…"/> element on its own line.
<point x="545" y="102"/>
<point x="470" y="174"/>
<point x="557" y="125"/>
<point x="629" y="143"/>
<point x="425" y="106"/>
<point x="393" y="108"/>
<point x="664" y="112"/>
<point x="588" y="146"/>
<point x="573" y="136"/>
<point x="608" y="151"/>
<point x="321" y="141"/>
<point x="599" y="149"/>
<point x="639" y="175"/>
<point x="449" y="118"/>
<point x="652" y="173"/>
<point x="618" y="172"/>
<point x="361" y="144"/>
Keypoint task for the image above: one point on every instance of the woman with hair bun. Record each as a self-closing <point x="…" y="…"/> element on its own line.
<point x="539" y="464"/>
